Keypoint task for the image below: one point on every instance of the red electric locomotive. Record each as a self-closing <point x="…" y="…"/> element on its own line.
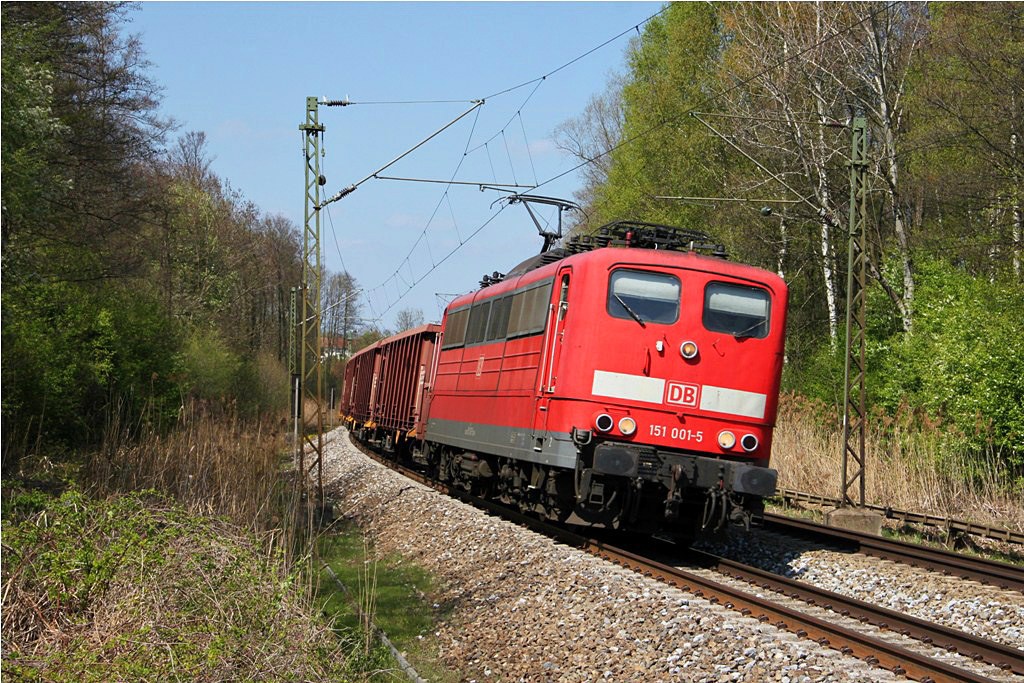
<point x="626" y="381"/>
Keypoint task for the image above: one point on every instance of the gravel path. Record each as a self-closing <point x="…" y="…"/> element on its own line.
<point x="527" y="609"/>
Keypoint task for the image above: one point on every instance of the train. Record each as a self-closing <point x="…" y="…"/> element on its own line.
<point x="628" y="380"/>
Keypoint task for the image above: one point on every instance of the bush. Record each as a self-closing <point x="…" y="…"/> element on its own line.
<point x="964" y="360"/>
<point x="262" y="387"/>
<point x="211" y="368"/>
<point x="132" y="588"/>
<point x="962" y="366"/>
<point x="70" y="352"/>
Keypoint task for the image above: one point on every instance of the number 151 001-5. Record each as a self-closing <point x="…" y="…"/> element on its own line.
<point x="677" y="433"/>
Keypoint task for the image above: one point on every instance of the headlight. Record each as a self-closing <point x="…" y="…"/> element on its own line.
<point x="726" y="439"/>
<point x="604" y="422"/>
<point x="688" y="349"/>
<point x="627" y="425"/>
<point x="749" y="443"/>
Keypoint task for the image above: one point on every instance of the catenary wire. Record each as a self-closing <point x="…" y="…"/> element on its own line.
<point x="717" y="96"/>
<point x="704" y="102"/>
<point x="537" y="83"/>
<point x="589" y="52"/>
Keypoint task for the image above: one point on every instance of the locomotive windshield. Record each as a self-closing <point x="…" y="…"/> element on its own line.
<point x="737" y="310"/>
<point x="644" y="296"/>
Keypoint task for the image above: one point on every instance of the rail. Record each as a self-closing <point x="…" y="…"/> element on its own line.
<point x="949" y="524"/>
<point x="997" y="654"/>
<point x="875" y="651"/>
<point x="993" y="573"/>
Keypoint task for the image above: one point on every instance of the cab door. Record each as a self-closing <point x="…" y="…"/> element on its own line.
<point x="554" y="340"/>
<point x="556" y="336"/>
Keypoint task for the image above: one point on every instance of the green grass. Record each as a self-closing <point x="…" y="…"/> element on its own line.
<point x="397" y="595"/>
<point x="136" y="588"/>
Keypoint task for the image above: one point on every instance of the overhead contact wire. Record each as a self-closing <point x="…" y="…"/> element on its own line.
<point x="511" y="118"/>
<point x="476" y="106"/>
<point x="509" y="155"/>
<point x="451" y="210"/>
<point x="351" y="188"/>
<point x="423" y="233"/>
<point x="348" y="104"/>
<point x="446" y="257"/>
<point x="712" y="98"/>
<point x="526" y="141"/>
<point x="582" y="56"/>
<point x="491" y="162"/>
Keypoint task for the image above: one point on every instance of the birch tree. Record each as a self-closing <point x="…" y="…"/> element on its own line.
<point x="781" y="57"/>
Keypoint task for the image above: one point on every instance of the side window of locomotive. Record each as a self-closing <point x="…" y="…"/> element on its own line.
<point x="455" y="329"/>
<point x="529" y="311"/>
<point x="563" y="297"/>
<point x="498" y="325"/>
<point x="737" y="310"/>
<point x="477" y="323"/>
<point x="644" y="295"/>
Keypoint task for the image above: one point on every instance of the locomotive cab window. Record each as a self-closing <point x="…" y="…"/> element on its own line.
<point x="644" y="296"/>
<point x="737" y="310"/>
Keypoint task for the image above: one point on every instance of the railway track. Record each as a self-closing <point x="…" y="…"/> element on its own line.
<point x="949" y="525"/>
<point x="766" y="608"/>
<point x="978" y="569"/>
<point x="977" y="649"/>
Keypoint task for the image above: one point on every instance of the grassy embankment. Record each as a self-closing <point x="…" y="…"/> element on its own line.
<point x="386" y="593"/>
<point x="912" y="464"/>
<point x="179" y="557"/>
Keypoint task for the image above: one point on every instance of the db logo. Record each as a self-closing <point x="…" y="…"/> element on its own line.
<point x="683" y="394"/>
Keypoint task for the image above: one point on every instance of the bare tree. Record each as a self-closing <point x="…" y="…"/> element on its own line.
<point x="589" y="137"/>
<point x="408" y="318"/>
<point x="876" y="61"/>
<point x="812" y="65"/>
<point x="341" y="312"/>
<point x="786" y="104"/>
<point x="190" y="157"/>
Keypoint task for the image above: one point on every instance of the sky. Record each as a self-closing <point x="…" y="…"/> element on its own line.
<point x="241" y="73"/>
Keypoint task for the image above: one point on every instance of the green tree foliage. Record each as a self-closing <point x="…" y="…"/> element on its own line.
<point x="80" y="118"/>
<point x="31" y="131"/>
<point x="68" y="353"/>
<point x="965" y="361"/>
<point x="942" y="88"/>
<point x="133" y="275"/>
<point x="671" y="70"/>
<point x="210" y="366"/>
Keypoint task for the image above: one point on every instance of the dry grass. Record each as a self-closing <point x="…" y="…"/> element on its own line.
<point x="188" y="559"/>
<point x="912" y="464"/>
<point x="213" y="463"/>
<point x="131" y="588"/>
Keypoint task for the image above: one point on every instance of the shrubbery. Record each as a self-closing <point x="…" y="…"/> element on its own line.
<point x="962" y="365"/>
<point x="964" y="360"/>
<point x="133" y="588"/>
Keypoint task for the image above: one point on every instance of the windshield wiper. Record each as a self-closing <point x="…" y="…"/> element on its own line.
<point x="629" y="310"/>
<point x="742" y="334"/>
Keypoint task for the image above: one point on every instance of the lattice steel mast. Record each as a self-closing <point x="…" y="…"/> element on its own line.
<point x="310" y="346"/>
<point x="855" y="390"/>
